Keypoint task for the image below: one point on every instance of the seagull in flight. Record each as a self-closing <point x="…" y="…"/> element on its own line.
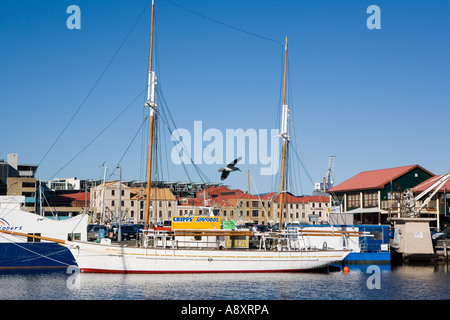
<point x="229" y="168"/>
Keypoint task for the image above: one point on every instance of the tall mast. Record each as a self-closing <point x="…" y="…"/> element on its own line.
<point x="284" y="136"/>
<point x="152" y="105"/>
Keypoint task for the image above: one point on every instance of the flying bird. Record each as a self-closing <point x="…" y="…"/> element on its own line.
<point x="229" y="168"/>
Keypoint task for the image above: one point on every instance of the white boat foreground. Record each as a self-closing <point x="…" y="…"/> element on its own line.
<point x="108" y="258"/>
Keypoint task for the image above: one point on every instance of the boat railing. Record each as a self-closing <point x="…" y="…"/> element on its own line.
<point x="285" y="240"/>
<point x="189" y="239"/>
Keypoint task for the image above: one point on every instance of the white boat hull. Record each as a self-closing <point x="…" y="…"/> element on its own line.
<point x="99" y="258"/>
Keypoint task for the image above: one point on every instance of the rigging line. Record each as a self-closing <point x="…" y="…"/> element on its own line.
<point x="9" y="202"/>
<point x="95" y="85"/>
<point x="303" y="166"/>
<point x="223" y="24"/>
<point x="164" y="120"/>
<point x="129" y="146"/>
<point x="52" y="253"/>
<point x="100" y="133"/>
<point x="201" y="174"/>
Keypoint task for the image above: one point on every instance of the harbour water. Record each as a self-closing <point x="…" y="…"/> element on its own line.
<point x="406" y="282"/>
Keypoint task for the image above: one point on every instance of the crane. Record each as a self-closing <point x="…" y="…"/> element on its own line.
<point x="410" y="201"/>
<point x="328" y="181"/>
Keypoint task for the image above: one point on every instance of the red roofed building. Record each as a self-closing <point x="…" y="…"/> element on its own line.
<point x="303" y="210"/>
<point x="247" y="208"/>
<point x="372" y="195"/>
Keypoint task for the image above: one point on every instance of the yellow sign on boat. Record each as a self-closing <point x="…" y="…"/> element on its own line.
<point x="193" y="222"/>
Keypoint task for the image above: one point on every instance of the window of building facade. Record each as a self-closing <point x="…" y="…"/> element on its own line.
<point x="371" y="199"/>
<point x="353" y="200"/>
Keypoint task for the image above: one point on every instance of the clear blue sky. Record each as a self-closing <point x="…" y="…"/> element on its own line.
<point x="373" y="98"/>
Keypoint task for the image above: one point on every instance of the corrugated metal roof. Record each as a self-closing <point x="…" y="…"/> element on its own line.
<point x="427" y="183"/>
<point x="375" y="179"/>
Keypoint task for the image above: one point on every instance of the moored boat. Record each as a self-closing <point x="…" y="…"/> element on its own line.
<point x="200" y="249"/>
<point x="27" y="254"/>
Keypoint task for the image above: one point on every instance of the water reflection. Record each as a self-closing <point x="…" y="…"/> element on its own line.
<point x="410" y="282"/>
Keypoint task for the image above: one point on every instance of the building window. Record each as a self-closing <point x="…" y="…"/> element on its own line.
<point x="255" y="213"/>
<point x="28" y="184"/>
<point x="371" y="199"/>
<point x="394" y="195"/>
<point x="353" y="200"/>
<point x="113" y="192"/>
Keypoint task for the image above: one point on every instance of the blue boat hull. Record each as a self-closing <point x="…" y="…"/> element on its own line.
<point x="368" y="258"/>
<point x="31" y="257"/>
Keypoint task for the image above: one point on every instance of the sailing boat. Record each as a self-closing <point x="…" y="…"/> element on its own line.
<point x="191" y="250"/>
<point x="23" y="243"/>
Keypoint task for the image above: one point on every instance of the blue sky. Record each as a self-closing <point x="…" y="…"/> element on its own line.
<point x="373" y="98"/>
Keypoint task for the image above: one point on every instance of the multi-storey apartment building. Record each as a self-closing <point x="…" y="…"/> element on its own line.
<point x="246" y="208"/>
<point x="111" y="198"/>
<point x="18" y="180"/>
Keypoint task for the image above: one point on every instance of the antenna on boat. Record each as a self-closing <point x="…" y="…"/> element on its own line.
<point x="152" y="105"/>
<point x="284" y="136"/>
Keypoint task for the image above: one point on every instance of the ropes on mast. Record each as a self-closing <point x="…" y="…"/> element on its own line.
<point x="95" y="85"/>
<point x="224" y="24"/>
